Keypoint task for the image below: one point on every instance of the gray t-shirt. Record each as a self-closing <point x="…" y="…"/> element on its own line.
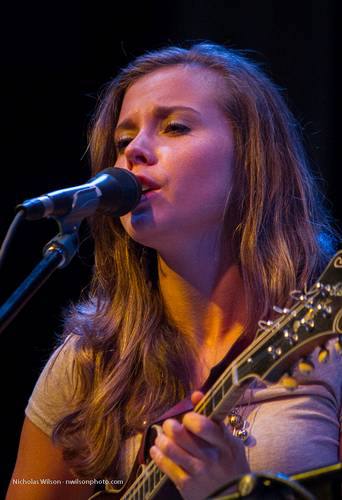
<point x="289" y="431"/>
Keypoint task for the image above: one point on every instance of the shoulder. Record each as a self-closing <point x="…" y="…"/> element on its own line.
<point x="61" y="364"/>
<point x="56" y="387"/>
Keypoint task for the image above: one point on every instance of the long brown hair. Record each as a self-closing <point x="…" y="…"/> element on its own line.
<point x="131" y="362"/>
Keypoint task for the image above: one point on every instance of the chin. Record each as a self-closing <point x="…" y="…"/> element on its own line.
<point x="141" y="228"/>
<point x="145" y="230"/>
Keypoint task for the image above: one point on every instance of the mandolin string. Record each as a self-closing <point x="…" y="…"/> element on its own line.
<point x="256" y="345"/>
<point x="152" y="468"/>
<point x="144" y="476"/>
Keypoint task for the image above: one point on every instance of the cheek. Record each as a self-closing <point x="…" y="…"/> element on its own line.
<point x="202" y="171"/>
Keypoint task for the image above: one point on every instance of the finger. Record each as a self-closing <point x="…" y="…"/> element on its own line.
<point x="207" y="430"/>
<point x="170" y="468"/>
<point x="178" y="455"/>
<point x="196" y="397"/>
<point x="186" y="440"/>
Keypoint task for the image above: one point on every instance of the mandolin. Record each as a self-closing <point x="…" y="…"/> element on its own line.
<point x="314" y="318"/>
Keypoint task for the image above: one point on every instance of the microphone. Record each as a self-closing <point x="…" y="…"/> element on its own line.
<point x="113" y="191"/>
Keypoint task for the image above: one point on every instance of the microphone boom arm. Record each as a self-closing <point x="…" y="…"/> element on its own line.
<point x="57" y="253"/>
<point x="113" y="191"/>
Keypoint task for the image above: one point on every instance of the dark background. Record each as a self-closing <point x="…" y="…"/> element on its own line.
<point x="55" y="59"/>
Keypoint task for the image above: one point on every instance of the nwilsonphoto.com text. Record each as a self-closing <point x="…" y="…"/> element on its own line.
<point x="68" y="481"/>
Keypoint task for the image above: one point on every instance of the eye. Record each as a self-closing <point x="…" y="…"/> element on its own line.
<point x="176" y="128"/>
<point x="122" y="143"/>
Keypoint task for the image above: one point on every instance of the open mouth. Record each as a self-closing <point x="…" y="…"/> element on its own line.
<point x="148" y="186"/>
<point x="148" y="192"/>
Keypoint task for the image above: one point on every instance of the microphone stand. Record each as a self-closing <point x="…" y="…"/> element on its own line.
<point x="263" y="486"/>
<point x="57" y="253"/>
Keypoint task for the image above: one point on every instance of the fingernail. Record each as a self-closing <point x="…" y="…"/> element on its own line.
<point x="176" y="426"/>
<point x="173" y="424"/>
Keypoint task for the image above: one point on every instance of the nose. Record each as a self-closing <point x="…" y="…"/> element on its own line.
<point x="140" y="151"/>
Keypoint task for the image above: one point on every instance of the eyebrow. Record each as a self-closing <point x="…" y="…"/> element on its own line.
<point x="159" y="112"/>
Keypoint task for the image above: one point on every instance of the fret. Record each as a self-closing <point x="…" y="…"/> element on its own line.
<point x="145" y="487"/>
<point x="270" y="355"/>
<point x="226" y="385"/>
<point x="159" y="475"/>
<point x="150" y="485"/>
<point x="137" y="494"/>
<point x="216" y="398"/>
<point x="208" y="408"/>
<point x="153" y="481"/>
<point x="155" y="478"/>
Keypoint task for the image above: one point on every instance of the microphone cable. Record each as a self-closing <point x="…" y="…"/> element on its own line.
<point x="16" y="222"/>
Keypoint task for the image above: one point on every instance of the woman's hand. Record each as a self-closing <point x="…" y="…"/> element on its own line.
<point x="198" y="455"/>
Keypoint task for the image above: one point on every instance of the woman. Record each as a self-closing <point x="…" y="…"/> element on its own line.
<point x="228" y="225"/>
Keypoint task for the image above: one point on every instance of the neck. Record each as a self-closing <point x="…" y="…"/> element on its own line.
<point x="204" y="299"/>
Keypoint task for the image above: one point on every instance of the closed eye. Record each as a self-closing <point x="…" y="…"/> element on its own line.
<point x="122" y="143"/>
<point x="176" y="128"/>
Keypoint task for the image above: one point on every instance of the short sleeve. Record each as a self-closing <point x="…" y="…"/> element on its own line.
<point x="294" y="431"/>
<point x="53" y="395"/>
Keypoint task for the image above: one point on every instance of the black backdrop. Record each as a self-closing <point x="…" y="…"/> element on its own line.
<point x="54" y="61"/>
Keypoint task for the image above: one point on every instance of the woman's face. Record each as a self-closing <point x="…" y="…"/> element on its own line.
<point x="173" y="135"/>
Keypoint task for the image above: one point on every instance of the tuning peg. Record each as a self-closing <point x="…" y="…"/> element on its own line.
<point x="281" y="310"/>
<point x="327" y="310"/>
<point x="306" y="366"/>
<point x="242" y="434"/>
<point x="235" y="420"/>
<point x="298" y="295"/>
<point x="310" y="325"/>
<point x="324" y="290"/>
<point x="296" y="325"/>
<point x="338" y="345"/>
<point x="289" y="382"/>
<point x="324" y="309"/>
<point x="264" y="324"/>
<point x="274" y="352"/>
<point x="323" y="355"/>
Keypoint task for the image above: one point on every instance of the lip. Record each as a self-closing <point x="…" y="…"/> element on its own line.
<point x="147" y="182"/>
<point x="152" y="188"/>
<point x="146" y="197"/>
